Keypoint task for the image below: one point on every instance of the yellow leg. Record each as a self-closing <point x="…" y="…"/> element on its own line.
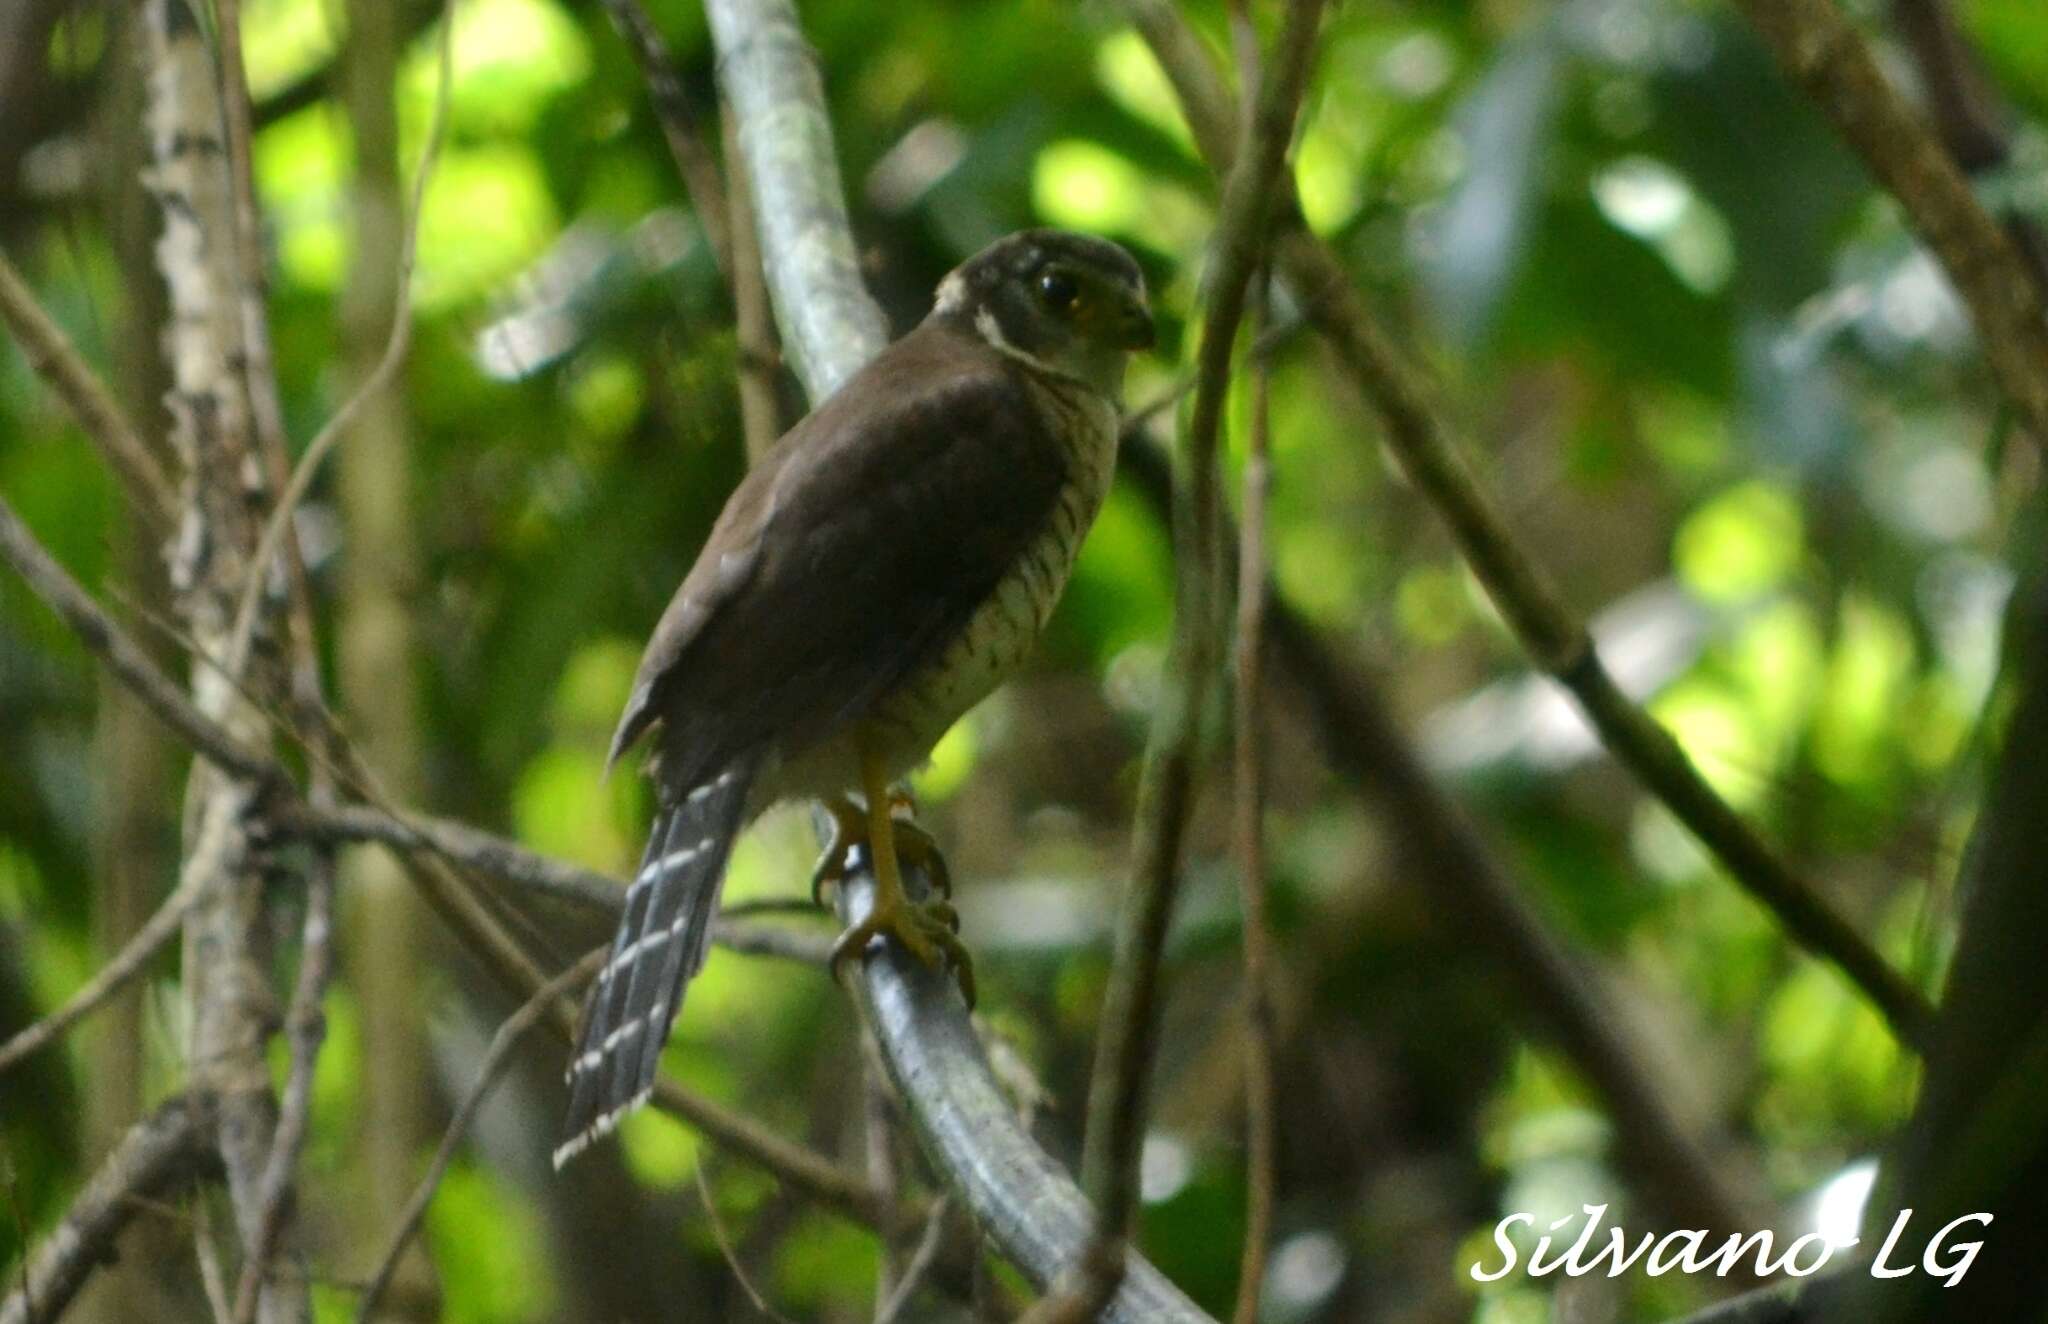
<point x="915" y="847"/>
<point x="925" y="929"/>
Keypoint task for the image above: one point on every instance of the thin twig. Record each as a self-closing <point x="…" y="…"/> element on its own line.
<point x="678" y="125"/>
<point x="106" y="640"/>
<point x="1974" y="122"/>
<point x="259" y="362"/>
<point x="1268" y="342"/>
<point x="771" y="905"/>
<point x="1442" y="850"/>
<point x="459" y="843"/>
<point x="1801" y="1301"/>
<point x="109" y="979"/>
<point x="336" y="427"/>
<point x="259" y="365"/>
<point x="1825" y="55"/>
<point x="307" y="1026"/>
<point x="1428" y="447"/>
<point x="920" y="1265"/>
<point x="760" y="359"/>
<point x="1261" y="1143"/>
<point x="725" y="1248"/>
<point x="212" y="1281"/>
<point x="53" y="357"/>
<point x="540" y="876"/>
<point x="14" y="1211"/>
<point x="798" y="1166"/>
<point x="160" y="1156"/>
<point x="499" y="1056"/>
<point x="795" y="1165"/>
<point x="1124" y="1049"/>
<point x="878" y="1138"/>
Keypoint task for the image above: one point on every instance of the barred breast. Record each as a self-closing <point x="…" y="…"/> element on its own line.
<point x="1000" y="635"/>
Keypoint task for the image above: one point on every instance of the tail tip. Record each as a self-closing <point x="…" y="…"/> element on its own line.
<point x="601" y="1126"/>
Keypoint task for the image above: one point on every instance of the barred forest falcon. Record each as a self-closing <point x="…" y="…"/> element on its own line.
<point x="887" y="564"/>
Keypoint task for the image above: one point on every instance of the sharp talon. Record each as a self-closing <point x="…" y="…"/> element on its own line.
<point x="850" y="943"/>
<point x="955" y="952"/>
<point x="926" y="930"/>
<point x="831" y="872"/>
<point x="849" y="831"/>
<point x="919" y="848"/>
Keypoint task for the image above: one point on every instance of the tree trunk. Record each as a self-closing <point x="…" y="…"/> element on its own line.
<point x="379" y="570"/>
<point x="230" y="1002"/>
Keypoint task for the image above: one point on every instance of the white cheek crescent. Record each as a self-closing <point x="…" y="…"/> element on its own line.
<point x="985" y="323"/>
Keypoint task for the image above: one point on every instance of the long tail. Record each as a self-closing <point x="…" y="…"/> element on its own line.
<point x="661" y="942"/>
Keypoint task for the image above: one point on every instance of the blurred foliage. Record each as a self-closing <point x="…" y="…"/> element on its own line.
<point x="1722" y="394"/>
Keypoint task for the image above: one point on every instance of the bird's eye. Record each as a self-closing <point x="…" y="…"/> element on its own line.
<point x="1058" y="290"/>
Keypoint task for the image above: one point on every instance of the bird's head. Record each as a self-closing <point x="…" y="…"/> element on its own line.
<point x="1069" y="304"/>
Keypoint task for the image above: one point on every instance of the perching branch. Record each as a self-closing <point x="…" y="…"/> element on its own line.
<point x="160" y="1157"/>
<point x="1030" y="1208"/>
<point x="769" y="75"/>
<point x="1020" y="1197"/>
<point x="1431" y="453"/>
<point x="1821" y="51"/>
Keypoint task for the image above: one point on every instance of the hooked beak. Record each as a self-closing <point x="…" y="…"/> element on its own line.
<point x="1134" y="329"/>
